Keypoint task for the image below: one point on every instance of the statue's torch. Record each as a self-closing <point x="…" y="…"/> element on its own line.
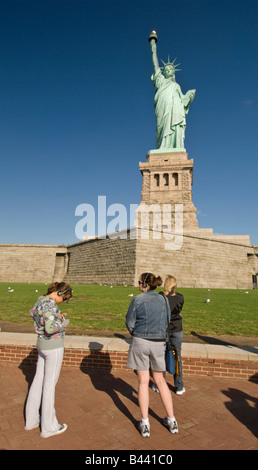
<point x="153" y="36"/>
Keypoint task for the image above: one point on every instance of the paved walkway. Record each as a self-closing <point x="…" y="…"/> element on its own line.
<point x="101" y="411"/>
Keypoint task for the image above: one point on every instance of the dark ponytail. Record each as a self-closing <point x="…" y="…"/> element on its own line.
<point x="149" y="279"/>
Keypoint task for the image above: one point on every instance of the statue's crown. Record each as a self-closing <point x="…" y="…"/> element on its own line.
<point x="172" y="64"/>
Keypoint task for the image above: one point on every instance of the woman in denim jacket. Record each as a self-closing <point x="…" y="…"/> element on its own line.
<point x="147" y="320"/>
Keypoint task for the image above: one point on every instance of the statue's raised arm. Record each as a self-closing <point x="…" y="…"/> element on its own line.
<point x="171" y="106"/>
<point x="153" y="38"/>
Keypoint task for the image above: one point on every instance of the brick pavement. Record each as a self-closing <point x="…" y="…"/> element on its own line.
<point x="101" y="410"/>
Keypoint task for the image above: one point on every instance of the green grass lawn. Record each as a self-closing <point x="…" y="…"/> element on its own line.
<point x="229" y="312"/>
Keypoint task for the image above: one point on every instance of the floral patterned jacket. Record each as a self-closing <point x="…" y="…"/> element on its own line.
<point x="47" y="322"/>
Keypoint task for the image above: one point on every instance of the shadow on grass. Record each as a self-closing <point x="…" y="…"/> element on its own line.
<point x="220" y="342"/>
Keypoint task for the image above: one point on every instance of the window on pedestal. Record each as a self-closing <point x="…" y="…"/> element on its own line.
<point x="165" y="176"/>
<point x="175" y="179"/>
<point x="156" y="179"/>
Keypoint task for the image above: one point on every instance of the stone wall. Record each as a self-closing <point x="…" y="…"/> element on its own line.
<point x="102" y="261"/>
<point x="200" y="262"/>
<point x="32" y="263"/>
<point x="203" y="260"/>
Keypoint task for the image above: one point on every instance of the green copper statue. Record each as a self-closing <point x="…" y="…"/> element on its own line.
<point x="171" y="106"/>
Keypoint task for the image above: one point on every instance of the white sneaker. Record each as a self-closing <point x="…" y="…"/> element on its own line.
<point x="62" y="428"/>
<point x="171" y="424"/>
<point x="180" y="392"/>
<point x="144" y="429"/>
<point x="154" y="387"/>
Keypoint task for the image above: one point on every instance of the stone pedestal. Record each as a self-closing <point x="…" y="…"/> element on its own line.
<point x="167" y="182"/>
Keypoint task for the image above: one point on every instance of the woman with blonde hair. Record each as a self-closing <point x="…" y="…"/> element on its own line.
<point x="175" y="330"/>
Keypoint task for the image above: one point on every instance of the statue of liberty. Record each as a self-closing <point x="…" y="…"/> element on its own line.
<point x="171" y="106"/>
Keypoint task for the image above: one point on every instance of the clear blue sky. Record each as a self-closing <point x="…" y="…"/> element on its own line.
<point x="77" y="111"/>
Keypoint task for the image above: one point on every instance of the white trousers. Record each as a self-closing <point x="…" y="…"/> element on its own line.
<point x="42" y="392"/>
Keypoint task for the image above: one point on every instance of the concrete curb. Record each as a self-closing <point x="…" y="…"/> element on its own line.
<point x="194" y="350"/>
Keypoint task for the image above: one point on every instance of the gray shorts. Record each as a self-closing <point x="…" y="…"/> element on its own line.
<point x="144" y="354"/>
